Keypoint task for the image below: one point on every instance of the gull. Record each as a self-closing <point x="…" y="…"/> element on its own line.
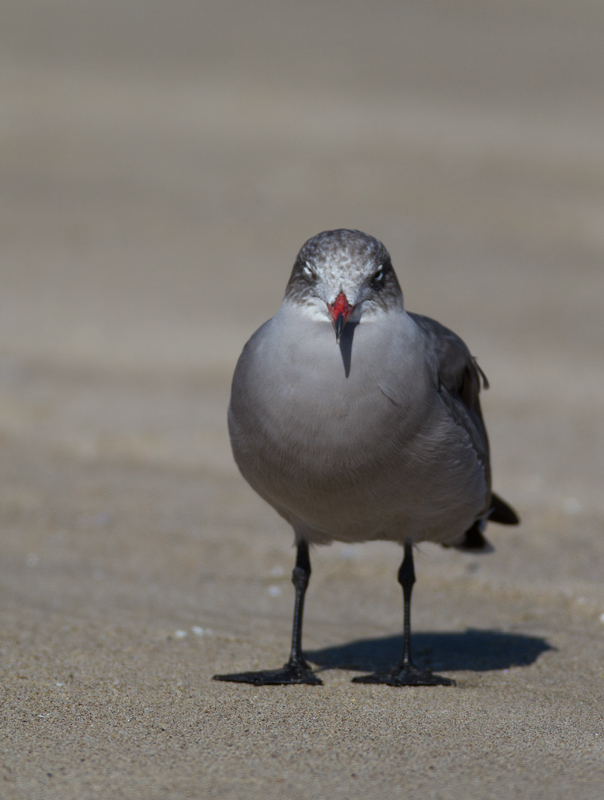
<point x="374" y="433"/>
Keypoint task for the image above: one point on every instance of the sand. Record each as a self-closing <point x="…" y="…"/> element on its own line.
<point x="161" y="164"/>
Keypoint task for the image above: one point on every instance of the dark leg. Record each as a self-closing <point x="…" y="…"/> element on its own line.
<point x="296" y="670"/>
<point x="405" y="673"/>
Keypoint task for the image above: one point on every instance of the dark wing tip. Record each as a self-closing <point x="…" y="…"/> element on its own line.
<point x="474" y="541"/>
<point x="501" y="512"/>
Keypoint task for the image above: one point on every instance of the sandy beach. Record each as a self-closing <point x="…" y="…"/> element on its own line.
<point x="161" y="164"/>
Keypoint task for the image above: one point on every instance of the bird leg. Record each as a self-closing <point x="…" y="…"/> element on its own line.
<point x="296" y="670"/>
<point x="405" y="673"/>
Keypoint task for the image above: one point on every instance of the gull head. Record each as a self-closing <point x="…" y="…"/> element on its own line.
<point x="342" y="276"/>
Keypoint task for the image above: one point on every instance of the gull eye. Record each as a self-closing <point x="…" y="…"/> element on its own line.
<point x="378" y="280"/>
<point x="308" y="273"/>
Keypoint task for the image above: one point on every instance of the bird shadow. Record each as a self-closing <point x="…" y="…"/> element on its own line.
<point x="472" y="650"/>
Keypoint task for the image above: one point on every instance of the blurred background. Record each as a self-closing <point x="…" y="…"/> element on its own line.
<point x="161" y="163"/>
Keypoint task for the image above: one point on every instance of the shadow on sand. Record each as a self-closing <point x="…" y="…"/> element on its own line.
<point x="474" y="650"/>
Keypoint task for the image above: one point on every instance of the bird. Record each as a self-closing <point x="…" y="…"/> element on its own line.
<point x="357" y="420"/>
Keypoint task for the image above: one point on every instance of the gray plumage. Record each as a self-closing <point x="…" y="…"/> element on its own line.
<point x="379" y="437"/>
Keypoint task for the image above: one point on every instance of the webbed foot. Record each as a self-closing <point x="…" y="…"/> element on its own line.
<point x="407" y="675"/>
<point x="289" y="674"/>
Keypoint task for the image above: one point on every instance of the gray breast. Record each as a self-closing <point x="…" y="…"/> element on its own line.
<point x="352" y="442"/>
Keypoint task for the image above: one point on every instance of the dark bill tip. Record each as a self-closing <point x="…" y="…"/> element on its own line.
<point x="339" y="326"/>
